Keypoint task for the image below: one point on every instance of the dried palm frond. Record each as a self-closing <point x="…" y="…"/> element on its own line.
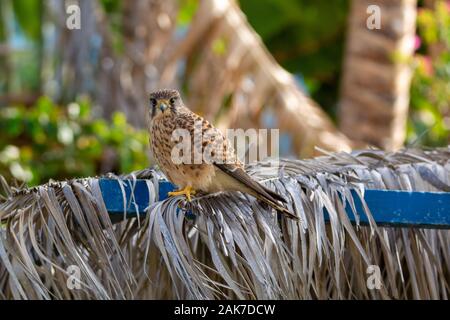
<point x="234" y="247"/>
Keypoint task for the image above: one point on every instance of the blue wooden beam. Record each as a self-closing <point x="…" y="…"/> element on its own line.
<point x="388" y="207"/>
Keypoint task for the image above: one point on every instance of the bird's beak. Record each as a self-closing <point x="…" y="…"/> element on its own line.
<point x="163" y="106"/>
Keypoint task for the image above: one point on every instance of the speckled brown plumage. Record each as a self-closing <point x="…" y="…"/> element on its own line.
<point x="222" y="171"/>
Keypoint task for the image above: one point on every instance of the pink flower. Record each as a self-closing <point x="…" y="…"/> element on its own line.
<point x="417" y="42"/>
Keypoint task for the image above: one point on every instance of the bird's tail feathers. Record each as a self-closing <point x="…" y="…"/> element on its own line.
<point x="274" y="195"/>
<point x="280" y="209"/>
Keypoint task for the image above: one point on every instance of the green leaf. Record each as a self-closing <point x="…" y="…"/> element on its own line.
<point x="186" y="12"/>
<point x="29" y="16"/>
<point x="3" y="33"/>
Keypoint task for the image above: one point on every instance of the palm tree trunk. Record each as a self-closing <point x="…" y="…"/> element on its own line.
<point x="376" y="78"/>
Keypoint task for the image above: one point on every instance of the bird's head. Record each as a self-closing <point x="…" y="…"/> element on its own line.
<point x="164" y="102"/>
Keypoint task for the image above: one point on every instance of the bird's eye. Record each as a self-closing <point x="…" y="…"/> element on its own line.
<point x="153" y="102"/>
<point x="172" y="101"/>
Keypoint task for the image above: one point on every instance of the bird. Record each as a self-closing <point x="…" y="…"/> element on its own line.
<point x="220" y="171"/>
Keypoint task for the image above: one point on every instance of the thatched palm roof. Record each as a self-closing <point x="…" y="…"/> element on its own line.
<point x="234" y="247"/>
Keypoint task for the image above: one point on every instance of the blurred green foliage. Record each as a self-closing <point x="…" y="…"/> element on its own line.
<point x="29" y="16"/>
<point x="25" y="36"/>
<point x="429" y="121"/>
<point x="48" y="141"/>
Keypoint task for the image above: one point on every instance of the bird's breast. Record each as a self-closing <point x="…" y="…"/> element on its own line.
<point x="161" y="143"/>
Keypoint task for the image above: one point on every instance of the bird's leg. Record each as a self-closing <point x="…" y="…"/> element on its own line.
<point x="187" y="191"/>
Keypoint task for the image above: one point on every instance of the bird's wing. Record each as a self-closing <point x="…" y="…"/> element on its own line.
<point x="240" y="175"/>
<point x="226" y="159"/>
<point x="212" y="139"/>
<point x="256" y="189"/>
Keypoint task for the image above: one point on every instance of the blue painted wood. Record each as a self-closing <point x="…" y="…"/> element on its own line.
<point x="388" y="207"/>
<point x="403" y="208"/>
<point x="112" y="193"/>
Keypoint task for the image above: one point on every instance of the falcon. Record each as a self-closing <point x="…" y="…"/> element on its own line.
<point x="172" y="124"/>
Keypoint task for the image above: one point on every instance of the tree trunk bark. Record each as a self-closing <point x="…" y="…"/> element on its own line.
<point x="377" y="75"/>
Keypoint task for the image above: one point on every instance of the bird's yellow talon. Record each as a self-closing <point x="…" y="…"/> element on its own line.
<point x="186" y="191"/>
